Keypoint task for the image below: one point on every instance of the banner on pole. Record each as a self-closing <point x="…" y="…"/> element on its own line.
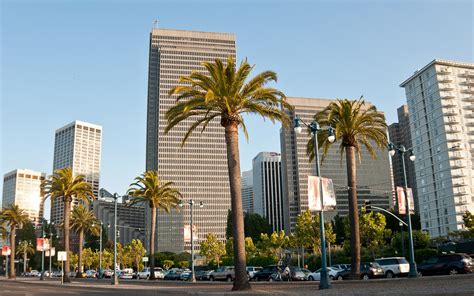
<point x="42" y="244"/>
<point x="402" y="201"/>
<point x="314" y="198"/>
<point x="62" y="255"/>
<point x="6" y="251"/>
<point x="144" y="259"/>
<point x="187" y="233"/>
<point x="53" y="252"/>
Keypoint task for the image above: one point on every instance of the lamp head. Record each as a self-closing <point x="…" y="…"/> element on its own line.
<point x="412" y="155"/>
<point x="180" y="204"/>
<point x="298" y="128"/>
<point x="331" y="135"/>
<point x="201" y="204"/>
<point x="391" y="149"/>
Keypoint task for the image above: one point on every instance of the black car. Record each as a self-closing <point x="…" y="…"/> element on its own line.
<point x="447" y="264"/>
<point x="264" y="275"/>
<point x="368" y="270"/>
<point x="173" y="275"/>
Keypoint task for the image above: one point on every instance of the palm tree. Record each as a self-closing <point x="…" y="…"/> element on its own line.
<point x="226" y="94"/>
<point x="148" y="188"/>
<point x="64" y="186"/>
<point x="13" y="216"/>
<point x="356" y="124"/>
<point x="24" y="248"/>
<point x="83" y="219"/>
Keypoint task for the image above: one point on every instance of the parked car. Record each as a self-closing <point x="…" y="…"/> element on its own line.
<point x="185" y="275"/>
<point x="127" y="273"/>
<point x="306" y="271"/>
<point x="91" y="273"/>
<point x="57" y="273"/>
<point x="447" y="264"/>
<point x="252" y="270"/>
<point x="223" y="273"/>
<point x="266" y="272"/>
<point x="368" y="270"/>
<point x="203" y="275"/>
<point x="394" y="266"/>
<point x="173" y="274"/>
<point x="106" y="273"/>
<point x="145" y="273"/>
<point x="316" y="276"/>
<point x="296" y="274"/>
<point x="34" y="272"/>
<point x="341" y="266"/>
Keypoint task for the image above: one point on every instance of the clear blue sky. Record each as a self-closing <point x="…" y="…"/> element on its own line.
<point x="87" y="60"/>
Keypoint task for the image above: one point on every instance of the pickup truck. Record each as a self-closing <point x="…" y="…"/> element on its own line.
<point x="223" y="273"/>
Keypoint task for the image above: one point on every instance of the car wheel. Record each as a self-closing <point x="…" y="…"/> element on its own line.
<point x="270" y="279"/>
<point x="339" y="278"/>
<point x="453" y="271"/>
<point x="229" y="278"/>
<point x="331" y="277"/>
<point x="211" y="278"/>
<point x="420" y="274"/>
<point x="390" y="275"/>
<point x="365" y="277"/>
<point x="310" y="278"/>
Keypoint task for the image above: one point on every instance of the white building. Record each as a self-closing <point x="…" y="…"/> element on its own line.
<point x="440" y="99"/>
<point x="268" y="192"/>
<point x="374" y="176"/>
<point x="78" y="146"/>
<point x="247" y="191"/>
<point x="199" y="169"/>
<point x="22" y="187"/>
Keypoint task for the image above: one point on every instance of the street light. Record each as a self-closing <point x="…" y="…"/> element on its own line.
<point x="50" y="245"/>
<point x="42" y="251"/>
<point x="392" y="149"/>
<point x="115" y="198"/>
<point x="100" y="245"/>
<point x="314" y="128"/>
<point x="191" y="205"/>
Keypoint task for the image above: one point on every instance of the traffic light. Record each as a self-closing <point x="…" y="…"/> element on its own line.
<point x="367" y="206"/>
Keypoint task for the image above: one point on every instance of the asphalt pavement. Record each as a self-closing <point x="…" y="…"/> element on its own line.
<point x="439" y="285"/>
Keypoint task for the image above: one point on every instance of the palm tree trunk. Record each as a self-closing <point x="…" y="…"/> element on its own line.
<point x="152" y="244"/>
<point x="66" y="214"/>
<point x="79" y="254"/>
<point x="25" y="258"/>
<point x="353" y="212"/>
<point x="12" y="252"/>
<point x="233" y="162"/>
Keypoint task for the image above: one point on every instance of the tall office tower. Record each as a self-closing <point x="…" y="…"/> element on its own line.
<point x="22" y="188"/>
<point x="374" y="176"/>
<point x="247" y="191"/>
<point x="268" y="193"/>
<point x="199" y="169"/>
<point x="400" y="135"/>
<point x="78" y="146"/>
<point x="441" y="106"/>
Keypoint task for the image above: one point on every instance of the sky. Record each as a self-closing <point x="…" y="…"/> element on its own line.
<point x="88" y="60"/>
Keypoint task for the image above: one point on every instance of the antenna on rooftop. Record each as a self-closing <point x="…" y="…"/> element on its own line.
<point x="155" y="23"/>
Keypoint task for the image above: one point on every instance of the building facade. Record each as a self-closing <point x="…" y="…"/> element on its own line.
<point x="400" y="135"/>
<point x="199" y="168"/>
<point x="268" y="191"/>
<point x="130" y="220"/>
<point x="374" y="176"/>
<point x="440" y="100"/>
<point x="77" y="146"/>
<point x="246" y="186"/>
<point x="22" y="187"/>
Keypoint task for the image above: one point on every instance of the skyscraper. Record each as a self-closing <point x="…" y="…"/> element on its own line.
<point x="247" y="191"/>
<point x="22" y="188"/>
<point x="268" y="193"/>
<point x="77" y="146"/>
<point x="400" y="135"/>
<point x="440" y="100"/>
<point x="199" y="169"/>
<point x="374" y="177"/>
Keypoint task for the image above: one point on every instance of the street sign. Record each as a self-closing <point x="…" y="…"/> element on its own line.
<point x="6" y="251"/>
<point x="53" y="252"/>
<point x="145" y="259"/>
<point x="62" y="255"/>
<point x="42" y="244"/>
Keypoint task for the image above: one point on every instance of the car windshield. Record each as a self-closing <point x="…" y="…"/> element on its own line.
<point x="402" y="261"/>
<point x="220" y="269"/>
<point x="374" y="264"/>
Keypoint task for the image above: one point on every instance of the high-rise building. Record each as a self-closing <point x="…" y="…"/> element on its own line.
<point x="440" y="100"/>
<point x="199" y="168"/>
<point x="267" y="185"/>
<point x="77" y="146"/>
<point x="400" y="135"/>
<point x="247" y="191"/>
<point x="23" y="188"/>
<point x="374" y="176"/>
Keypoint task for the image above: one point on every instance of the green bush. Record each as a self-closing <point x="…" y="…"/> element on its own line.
<point x="423" y="254"/>
<point x="262" y="261"/>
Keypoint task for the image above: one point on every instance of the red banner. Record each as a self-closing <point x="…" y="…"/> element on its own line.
<point x="42" y="244"/>
<point x="6" y="251"/>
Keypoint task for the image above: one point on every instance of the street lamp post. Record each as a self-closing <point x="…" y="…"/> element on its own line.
<point x="191" y="205"/>
<point x="403" y="239"/>
<point x="100" y="245"/>
<point x="115" y="278"/>
<point x="314" y="128"/>
<point x="50" y="245"/>
<point x="402" y="150"/>
<point x="42" y="251"/>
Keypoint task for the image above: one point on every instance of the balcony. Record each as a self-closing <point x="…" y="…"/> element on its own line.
<point x="445" y="79"/>
<point x="452" y="130"/>
<point x="469" y="115"/>
<point x="456" y="147"/>
<point x="450" y="103"/>
<point x="444" y="71"/>
<point x="458" y="165"/>
<point x="456" y="155"/>
<point x="469" y="99"/>
<point x="469" y="107"/>
<point x="458" y="174"/>
<point x="447" y="96"/>
<point x="468" y="91"/>
<point x="459" y="183"/>
<point x="452" y="120"/>
<point x="470" y="123"/>
<point x="453" y="138"/>
<point x="467" y="74"/>
<point x="450" y="112"/>
<point x="460" y="202"/>
<point x="446" y="87"/>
